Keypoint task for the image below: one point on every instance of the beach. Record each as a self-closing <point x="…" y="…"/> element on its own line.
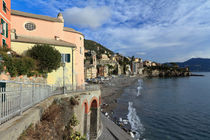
<point x="112" y="89"/>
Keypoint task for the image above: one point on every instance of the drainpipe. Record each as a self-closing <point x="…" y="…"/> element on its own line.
<point x="72" y="67"/>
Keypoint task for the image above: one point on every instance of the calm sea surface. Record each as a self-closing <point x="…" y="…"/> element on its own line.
<point x="168" y="109"/>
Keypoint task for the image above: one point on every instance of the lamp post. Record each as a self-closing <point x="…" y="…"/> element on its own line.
<point x="63" y="65"/>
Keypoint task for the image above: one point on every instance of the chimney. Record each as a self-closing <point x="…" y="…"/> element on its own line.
<point x="13" y="34"/>
<point x="60" y="16"/>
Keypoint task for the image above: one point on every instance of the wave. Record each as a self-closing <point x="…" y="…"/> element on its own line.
<point x="135" y="122"/>
<point x="140" y="87"/>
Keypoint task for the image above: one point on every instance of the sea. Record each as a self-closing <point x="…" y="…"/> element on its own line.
<point x="167" y="108"/>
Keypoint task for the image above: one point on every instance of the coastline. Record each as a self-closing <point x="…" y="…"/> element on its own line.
<point x="111" y="90"/>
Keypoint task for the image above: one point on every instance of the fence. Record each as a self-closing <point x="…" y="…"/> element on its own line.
<point x="17" y="97"/>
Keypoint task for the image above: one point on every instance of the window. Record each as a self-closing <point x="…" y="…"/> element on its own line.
<point x="4" y="26"/>
<point x="4" y="6"/>
<point x="80" y="50"/>
<point x="4" y="44"/>
<point x="30" y="26"/>
<point x="65" y="58"/>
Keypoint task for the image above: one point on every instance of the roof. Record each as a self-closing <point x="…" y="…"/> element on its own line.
<point x="71" y="30"/>
<point x="24" y="14"/>
<point x="43" y="41"/>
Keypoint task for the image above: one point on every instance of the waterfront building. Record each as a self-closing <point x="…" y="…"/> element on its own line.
<point x="5" y="24"/>
<point x="154" y="64"/>
<point x="90" y="64"/>
<point x="30" y="29"/>
<point x="147" y="63"/>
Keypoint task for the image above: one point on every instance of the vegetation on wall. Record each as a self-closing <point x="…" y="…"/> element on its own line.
<point x="16" y="65"/>
<point x="47" y="57"/>
<point x="40" y="60"/>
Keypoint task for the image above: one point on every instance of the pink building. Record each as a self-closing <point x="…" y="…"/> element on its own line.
<point x="5" y="24"/>
<point x="39" y="26"/>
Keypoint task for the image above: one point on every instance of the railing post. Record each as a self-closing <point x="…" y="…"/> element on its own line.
<point x="21" y="100"/>
<point x="33" y="93"/>
<point x="39" y="93"/>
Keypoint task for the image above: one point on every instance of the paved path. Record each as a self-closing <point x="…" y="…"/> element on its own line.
<point x="111" y="131"/>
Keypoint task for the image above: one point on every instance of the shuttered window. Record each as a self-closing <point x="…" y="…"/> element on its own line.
<point x="2" y="23"/>
<point x="4" y="6"/>
<point x="6" y="30"/>
<point x="4" y="44"/>
<point x="65" y="58"/>
<point x="68" y="58"/>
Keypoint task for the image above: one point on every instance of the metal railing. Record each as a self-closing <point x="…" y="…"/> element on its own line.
<point x="17" y="97"/>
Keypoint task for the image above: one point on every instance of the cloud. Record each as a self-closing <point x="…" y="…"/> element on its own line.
<point x="87" y="17"/>
<point x="140" y="53"/>
<point x="163" y="30"/>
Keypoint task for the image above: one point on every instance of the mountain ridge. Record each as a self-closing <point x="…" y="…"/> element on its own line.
<point x="196" y="64"/>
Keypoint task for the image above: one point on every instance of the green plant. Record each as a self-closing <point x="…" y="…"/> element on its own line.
<point x="77" y="136"/>
<point x="73" y="121"/>
<point x="73" y="101"/>
<point x="3" y="49"/>
<point x="48" y="58"/>
<point x="10" y="65"/>
<point x="1" y="67"/>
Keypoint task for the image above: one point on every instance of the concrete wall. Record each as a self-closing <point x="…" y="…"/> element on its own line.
<point x="81" y="111"/>
<point x="12" y="129"/>
<point x="44" y="29"/>
<point x="55" y="77"/>
<point x="77" y="39"/>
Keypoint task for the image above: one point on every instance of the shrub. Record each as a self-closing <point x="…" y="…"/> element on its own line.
<point x="48" y="57"/>
<point x="73" y="121"/>
<point x="17" y="65"/>
<point x="73" y="101"/>
<point x="10" y="65"/>
<point x="24" y="65"/>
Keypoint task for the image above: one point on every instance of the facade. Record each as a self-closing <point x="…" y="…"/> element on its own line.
<point x="147" y="63"/>
<point x="154" y="64"/>
<point x="5" y="15"/>
<point x="90" y="64"/>
<point x="137" y="66"/>
<point x="29" y="29"/>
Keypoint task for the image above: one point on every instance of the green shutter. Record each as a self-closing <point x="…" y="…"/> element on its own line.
<point x="6" y="30"/>
<point x="2" y="23"/>
<point x="67" y="58"/>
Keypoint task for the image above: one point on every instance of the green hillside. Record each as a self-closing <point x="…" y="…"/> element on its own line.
<point x="92" y="45"/>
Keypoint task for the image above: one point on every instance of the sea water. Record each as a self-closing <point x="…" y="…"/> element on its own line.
<point x="168" y="108"/>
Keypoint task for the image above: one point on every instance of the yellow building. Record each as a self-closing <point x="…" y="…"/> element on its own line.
<point x="22" y="44"/>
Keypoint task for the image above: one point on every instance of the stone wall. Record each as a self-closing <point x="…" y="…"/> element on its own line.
<point x="88" y="103"/>
<point x="22" y="78"/>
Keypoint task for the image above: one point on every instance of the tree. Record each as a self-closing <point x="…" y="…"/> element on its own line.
<point x="48" y="58"/>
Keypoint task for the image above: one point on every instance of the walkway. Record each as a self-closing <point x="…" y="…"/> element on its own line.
<point x="111" y="131"/>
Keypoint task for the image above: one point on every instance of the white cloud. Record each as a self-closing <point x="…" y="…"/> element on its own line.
<point x="165" y="30"/>
<point x="140" y="53"/>
<point x="87" y="17"/>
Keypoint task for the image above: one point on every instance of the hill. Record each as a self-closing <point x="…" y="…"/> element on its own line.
<point x="197" y="64"/>
<point x="98" y="48"/>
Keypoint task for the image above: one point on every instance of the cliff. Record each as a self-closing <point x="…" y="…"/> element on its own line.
<point x="166" y="71"/>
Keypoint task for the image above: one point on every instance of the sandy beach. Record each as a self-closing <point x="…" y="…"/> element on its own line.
<point x="111" y="90"/>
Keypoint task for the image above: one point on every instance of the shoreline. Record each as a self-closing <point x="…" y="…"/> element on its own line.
<point x="112" y="90"/>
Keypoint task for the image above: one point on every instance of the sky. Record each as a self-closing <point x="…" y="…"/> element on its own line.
<point x="157" y="30"/>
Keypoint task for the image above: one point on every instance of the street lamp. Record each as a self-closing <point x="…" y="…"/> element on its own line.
<point x="63" y="64"/>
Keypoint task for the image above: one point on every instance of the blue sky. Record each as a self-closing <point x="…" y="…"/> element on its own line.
<point x="158" y="30"/>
